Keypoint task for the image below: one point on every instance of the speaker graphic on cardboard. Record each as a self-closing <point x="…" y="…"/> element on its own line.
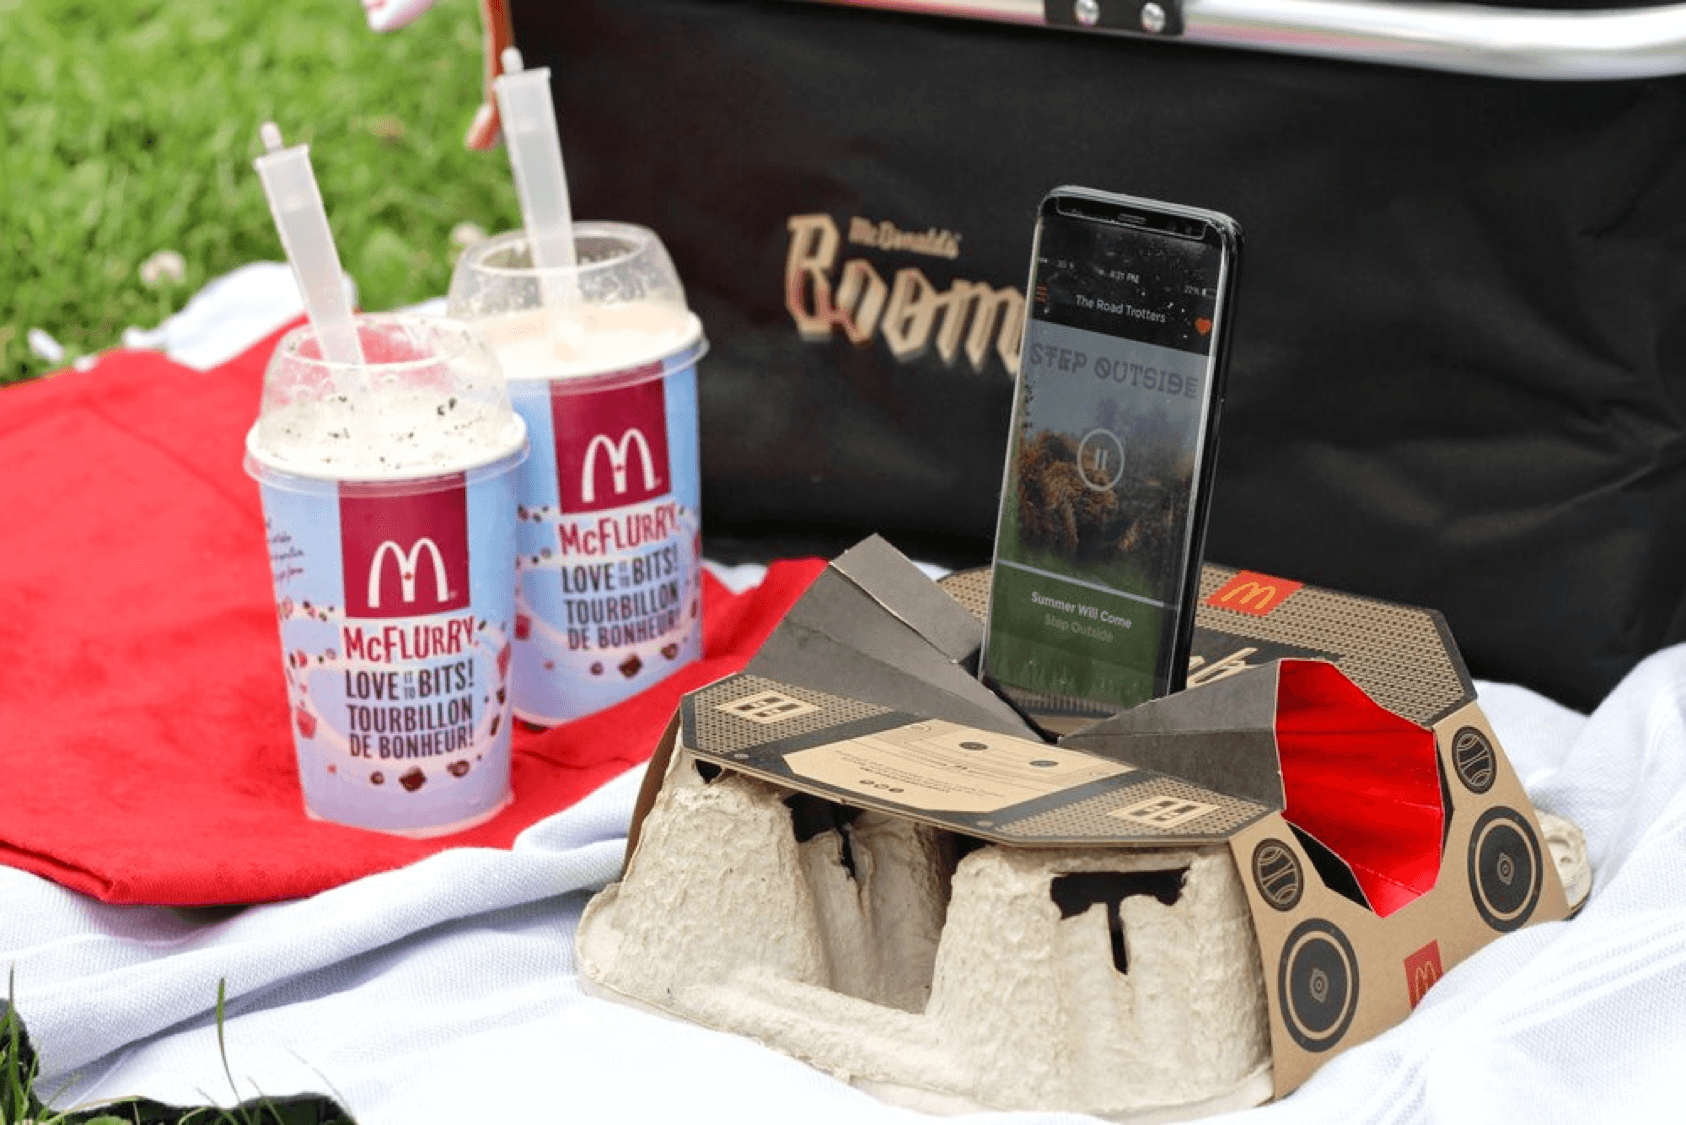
<point x="854" y="853"/>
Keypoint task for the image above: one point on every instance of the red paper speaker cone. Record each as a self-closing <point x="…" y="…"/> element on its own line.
<point x="1362" y="780"/>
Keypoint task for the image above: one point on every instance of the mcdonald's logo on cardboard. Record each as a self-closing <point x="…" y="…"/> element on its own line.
<point x="1422" y="969"/>
<point x="1253" y="593"/>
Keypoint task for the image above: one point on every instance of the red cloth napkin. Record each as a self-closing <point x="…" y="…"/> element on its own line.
<point x="144" y="735"/>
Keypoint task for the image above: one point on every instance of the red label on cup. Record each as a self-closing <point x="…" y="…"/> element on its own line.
<point x="404" y="556"/>
<point x="611" y="446"/>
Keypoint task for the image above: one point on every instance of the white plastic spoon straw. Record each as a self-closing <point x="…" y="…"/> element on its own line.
<point x="296" y="203"/>
<point x="535" y="156"/>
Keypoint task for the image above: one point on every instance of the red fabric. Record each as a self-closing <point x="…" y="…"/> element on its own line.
<point x="144" y="735"/>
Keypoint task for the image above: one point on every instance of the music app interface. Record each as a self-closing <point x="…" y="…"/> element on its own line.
<point x="1108" y="428"/>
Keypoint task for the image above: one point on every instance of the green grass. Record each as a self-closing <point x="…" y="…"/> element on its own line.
<point x="22" y="1104"/>
<point x="129" y="127"/>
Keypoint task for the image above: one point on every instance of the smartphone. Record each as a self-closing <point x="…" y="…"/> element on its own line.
<point x="1109" y="462"/>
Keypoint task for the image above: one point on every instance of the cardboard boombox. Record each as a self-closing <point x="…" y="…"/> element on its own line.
<point x="856" y="853"/>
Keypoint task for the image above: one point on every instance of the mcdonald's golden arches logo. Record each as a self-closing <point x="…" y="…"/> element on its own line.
<point x="1422" y="969"/>
<point x="1253" y="593"/>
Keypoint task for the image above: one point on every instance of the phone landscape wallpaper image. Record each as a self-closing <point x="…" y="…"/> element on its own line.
<point x="1118" y="518"/>
<point x="1097" y="505"/>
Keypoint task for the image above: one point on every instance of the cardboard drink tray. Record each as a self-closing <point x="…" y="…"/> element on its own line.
<point x="1330" y="749"/>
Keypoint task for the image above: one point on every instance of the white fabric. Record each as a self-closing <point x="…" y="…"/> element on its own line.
<point x="390" y="15"/>
<point x="446" y="991"/>
<point x="229" y="315"/>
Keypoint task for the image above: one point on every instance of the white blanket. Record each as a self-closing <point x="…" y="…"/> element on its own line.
<point x="445" y="992"/>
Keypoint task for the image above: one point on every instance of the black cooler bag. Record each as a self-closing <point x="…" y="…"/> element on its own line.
<point x="1459" y="366"/>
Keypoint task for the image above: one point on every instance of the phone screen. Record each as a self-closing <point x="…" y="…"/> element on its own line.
<point x="1108" y="461"/>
